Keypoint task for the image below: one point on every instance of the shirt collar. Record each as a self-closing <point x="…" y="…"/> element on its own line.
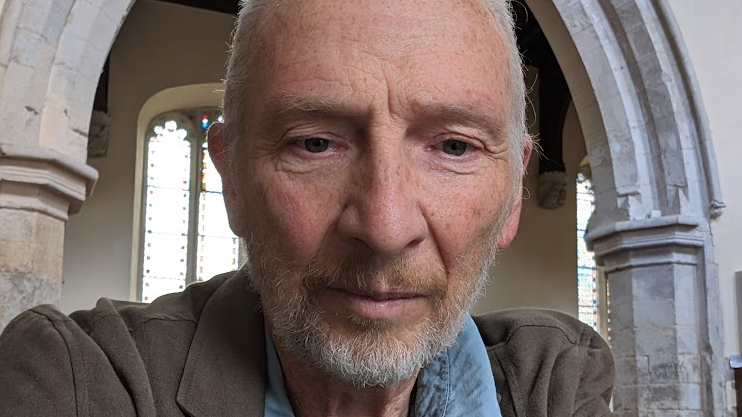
<point x="276" y="401"/>
<point x="460" y="381"/>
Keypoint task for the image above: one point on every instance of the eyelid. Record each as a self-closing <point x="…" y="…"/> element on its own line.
<point x="298" y="145"/>
<point x="302" y="139"/>
<point x="313" y="129"/>
<point x="291" y="137"/>
<point x="470" y="141"/>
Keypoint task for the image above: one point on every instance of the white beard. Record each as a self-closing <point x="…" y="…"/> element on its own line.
<point x="375" y="355"/>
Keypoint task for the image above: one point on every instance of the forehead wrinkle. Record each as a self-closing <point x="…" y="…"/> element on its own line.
<point x="288" y="102"/>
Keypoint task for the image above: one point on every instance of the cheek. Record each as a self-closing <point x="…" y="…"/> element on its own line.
<point x="463" y="217"/>
<point x="297" y="215"/>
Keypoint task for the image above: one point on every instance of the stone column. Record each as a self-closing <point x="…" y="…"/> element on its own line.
<point x="39" y="189"/>
<point x="654" y="269"/>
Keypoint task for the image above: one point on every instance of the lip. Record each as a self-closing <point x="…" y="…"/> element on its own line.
<point x="380" y="295"/>
<point x="377" y="305"/>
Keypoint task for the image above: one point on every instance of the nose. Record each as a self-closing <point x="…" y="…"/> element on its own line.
<point x="384" y="210"/>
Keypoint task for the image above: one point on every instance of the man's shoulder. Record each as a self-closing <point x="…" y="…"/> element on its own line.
<point x="547" y="360"/>
<point x="498" y="328"/>
<point x="185" y="306"/>
<point x="115" y="318"/>
<point x="116" y="356"/>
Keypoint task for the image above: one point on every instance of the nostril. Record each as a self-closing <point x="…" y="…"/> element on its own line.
<point x="415" y="243"/>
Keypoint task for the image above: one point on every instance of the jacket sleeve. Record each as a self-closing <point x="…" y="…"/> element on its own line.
<point x="36" y="377"/>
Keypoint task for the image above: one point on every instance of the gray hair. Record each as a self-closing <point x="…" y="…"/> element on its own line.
<point x="244" y="39"/>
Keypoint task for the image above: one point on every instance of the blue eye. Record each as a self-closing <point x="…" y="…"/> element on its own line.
<point x="454" y="147"/>
<point x="316" y="145"/>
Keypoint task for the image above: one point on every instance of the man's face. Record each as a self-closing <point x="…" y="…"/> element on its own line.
<point x="373" y="177"/>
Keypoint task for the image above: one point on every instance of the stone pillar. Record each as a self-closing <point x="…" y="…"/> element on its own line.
<point x="655" y="274"/>
<point x="39" y="188"/>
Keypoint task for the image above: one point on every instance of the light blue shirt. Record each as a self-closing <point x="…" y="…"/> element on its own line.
<point x="458" y="383"/>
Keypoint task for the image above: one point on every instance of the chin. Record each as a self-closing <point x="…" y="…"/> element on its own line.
<point x="361" y="351"/>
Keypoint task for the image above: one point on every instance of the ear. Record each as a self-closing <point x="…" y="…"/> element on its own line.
<point x="217" y="151"/>
<point x="220" y="157"/>
<point x="510" y="228"/>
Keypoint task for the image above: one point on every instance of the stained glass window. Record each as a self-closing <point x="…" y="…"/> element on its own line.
<point x="587" y="273"/>
<point x="186" y="232"/>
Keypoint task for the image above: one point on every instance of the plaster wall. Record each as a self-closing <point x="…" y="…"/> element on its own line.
<point x="161" y="46"/>
<point x="716" y="59"/>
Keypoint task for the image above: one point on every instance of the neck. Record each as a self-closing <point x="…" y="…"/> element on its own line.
<point x="313" y="393"/>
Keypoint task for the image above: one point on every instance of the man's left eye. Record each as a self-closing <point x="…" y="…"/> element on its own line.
<point x="454" y="147"/>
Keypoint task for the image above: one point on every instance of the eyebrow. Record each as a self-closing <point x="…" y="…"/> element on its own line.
<point x="477" y="116"/>
<point x="284" y="106"/>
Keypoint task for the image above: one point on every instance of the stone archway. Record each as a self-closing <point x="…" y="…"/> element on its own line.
<point x="656" y="191"/>
<point x="51" y="55"/>
<point x="647" y="137"/>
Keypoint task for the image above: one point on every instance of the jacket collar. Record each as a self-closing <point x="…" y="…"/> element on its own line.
<point x="225" y="372"/>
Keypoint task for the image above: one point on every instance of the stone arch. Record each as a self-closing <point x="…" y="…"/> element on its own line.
<point x="51" y="55"/>
<point x="657" y="189"/>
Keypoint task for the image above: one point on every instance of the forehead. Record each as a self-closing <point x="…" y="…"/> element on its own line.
<point x="429" y="48"/>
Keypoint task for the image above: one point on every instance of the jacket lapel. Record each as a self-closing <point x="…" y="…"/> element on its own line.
<point x="225" y="372"/>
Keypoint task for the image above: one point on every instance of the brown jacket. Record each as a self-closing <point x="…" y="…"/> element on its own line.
<point x="201" y="353"/>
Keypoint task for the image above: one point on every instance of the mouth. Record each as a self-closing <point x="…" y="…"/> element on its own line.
<point x="380" y="295"/>
<point x="376" y="305"/>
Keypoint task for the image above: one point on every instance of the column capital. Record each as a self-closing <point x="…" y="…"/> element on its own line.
<point x="43" y="180"/>
<point x="645" y="242"/>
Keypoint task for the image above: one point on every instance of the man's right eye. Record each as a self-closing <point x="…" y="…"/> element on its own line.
<point x="316" y="145"/>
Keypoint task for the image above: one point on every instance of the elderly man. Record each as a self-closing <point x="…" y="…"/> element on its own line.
<point x="372" y="156"/>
